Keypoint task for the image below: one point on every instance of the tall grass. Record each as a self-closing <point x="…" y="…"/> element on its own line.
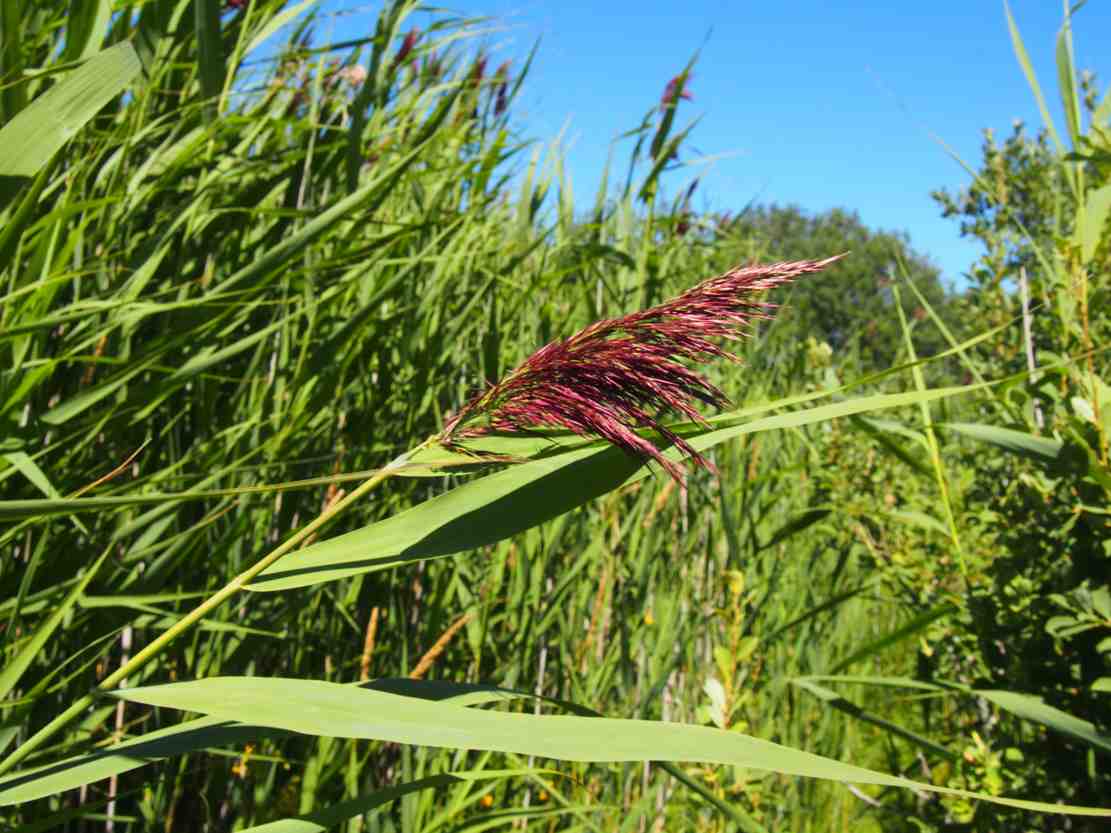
<point x="263" y="273"/>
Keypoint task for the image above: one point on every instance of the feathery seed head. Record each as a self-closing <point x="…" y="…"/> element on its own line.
<point x="622" y="374"/>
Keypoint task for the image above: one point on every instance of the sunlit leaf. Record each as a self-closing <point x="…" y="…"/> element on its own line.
<point x="317" y="707"/>
<point x="499" y="505"/>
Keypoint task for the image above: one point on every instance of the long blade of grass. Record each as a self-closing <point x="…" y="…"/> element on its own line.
<point x="829" y="604"/>
<point x="13" y="96"/>
<point x="192" y="736"/>
<point x="1031" y="446"/>
<point x="1093" y="220"/>
<point x="275" y="23"/>
<point x="940" y="474"/>
<point x="1031" y="77"/>
<point x="207" y="733"/>
<point x="1036" y="710"/>
<point x="730" y="810"/>
<point x="210" y="52"/>
<point x="882" y="431"/>
<point x="919" y="519"/>
<point x="500" y="505"/>
<point x="842" y="704"/>
<point x="86" y="26"/>
<point x="1066" y="77"/>
<point x="15" y="669"/>
<point x="328" y="709"/>
<point x="1021" y="705"/>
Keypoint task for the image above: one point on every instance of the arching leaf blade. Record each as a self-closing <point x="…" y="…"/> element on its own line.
<point x="503" y="504"/>
<point x="317" y="707"/>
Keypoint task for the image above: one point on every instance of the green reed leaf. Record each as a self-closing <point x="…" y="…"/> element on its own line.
<point x="317" y="707"/>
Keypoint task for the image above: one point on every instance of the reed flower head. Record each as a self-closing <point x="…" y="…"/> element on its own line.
<point x="623" y="374"/>
<point x="675" y="90"/>
<point x="501" y="89"/>
<point x="406" y="47"/>
<point x="478" y="70"/>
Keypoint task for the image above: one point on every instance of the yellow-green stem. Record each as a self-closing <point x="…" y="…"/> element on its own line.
<point x="931" y="441"/>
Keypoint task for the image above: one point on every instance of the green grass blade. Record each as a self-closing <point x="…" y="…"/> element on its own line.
<point x="205" y="733"/>
<point x="193" y="736"/>
<point x="824" y="413"/>
<point x="30" y="469"/>
<point x="941" y="475"/>
<point x="797" y="523"/>
<point x="1039" y="449"/>
<point x="1090" y="233"/>
<point x="500" y="505"/>
<point x="24" y="213"/>
<point x="328" y="709"/>
<point x="210" y="52"/>
<point x="35" y="135"/>
<point x="889" y="682"/>
<point x="882" y="430"/>
<point x="86" y="26"/>
<point x="1031" y="77"/>
<point x="829" y="604"/>
<point x="1021" y="705"/>
<point x="919" y="519"/>
<point x="19" y="509"/>
<point x="14" y="670"/>
<point x="13" y="97"/>
<point x="732" y="811"/>
<point x="1066" y="78"/>
<point x="65" y="411"/>
<point x="1035" y="710"/>
<point x="481" y="512"/>
<point x="842" y="704"/>
<point x="276" y="22"/>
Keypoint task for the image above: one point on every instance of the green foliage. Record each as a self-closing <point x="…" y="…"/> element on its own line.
<point x="850" y="307"/>
<point x="1041" y="518"/>
<point x="1017" y="196"/>
<point x="266" y="271"/>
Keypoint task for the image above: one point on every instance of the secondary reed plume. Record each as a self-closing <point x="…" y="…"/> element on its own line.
<point x="620" y="375"/>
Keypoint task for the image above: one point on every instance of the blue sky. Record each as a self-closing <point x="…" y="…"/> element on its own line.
<point x="815" y="103"/>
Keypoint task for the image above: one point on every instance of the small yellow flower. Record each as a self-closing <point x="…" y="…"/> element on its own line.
<point x="649" y="619"/>
<point x="487" y="801"/>
<point x="239" y="769"/>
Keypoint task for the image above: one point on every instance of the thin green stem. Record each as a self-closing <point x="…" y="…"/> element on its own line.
<point x="200" y="611"/>
<point x="931" y="441"/>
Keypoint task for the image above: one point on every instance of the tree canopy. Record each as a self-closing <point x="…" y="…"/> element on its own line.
<point x="851" y="305"/>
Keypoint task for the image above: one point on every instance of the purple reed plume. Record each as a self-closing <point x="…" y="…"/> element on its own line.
<point x="501" y="86"/>
<point x="621" y="374"/>
<point x="406" y="47"/>
<point x="676" y="89"/>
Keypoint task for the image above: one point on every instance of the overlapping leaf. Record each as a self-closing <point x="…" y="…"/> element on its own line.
<point x="317" y="707"/>
<point x="502" y="504"/>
